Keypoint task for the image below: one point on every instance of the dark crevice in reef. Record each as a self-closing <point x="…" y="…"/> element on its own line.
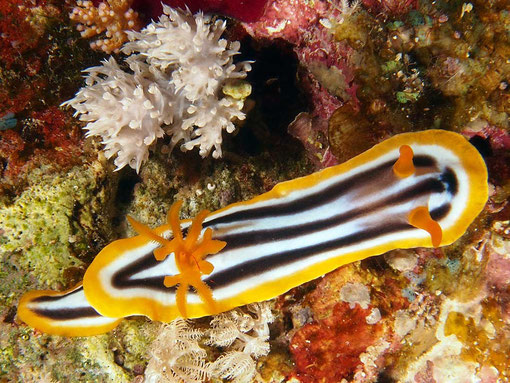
<point x="483" y="146"/>
<point x="124" y="194"/>
<point x="126" y="187"/>
<point x="376" y="265"/>
<point x="385" y="378"/>
<point x="275" y="99"/>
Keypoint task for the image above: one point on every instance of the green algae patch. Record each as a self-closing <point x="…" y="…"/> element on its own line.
<point x="97" y="355"/>
<point x="29" y="356"/>
<point x="49" y="225"/>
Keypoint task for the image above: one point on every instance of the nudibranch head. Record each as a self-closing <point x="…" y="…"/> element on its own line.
<point x="188" y="252"/>
<point x="419" y="217"/>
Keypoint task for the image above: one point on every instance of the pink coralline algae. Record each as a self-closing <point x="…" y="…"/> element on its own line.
<point x="306" y="27"/>
<point x="426" y="375"/>
<point x="326" y="74"/>
<point x="243" y="10"/>
<point x="499" y="138"/>
<point x="498" y="271"/>
<point x="290" y="20"/>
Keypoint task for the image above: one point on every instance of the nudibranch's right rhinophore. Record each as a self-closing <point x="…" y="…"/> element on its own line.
<point x="412" y="190"/>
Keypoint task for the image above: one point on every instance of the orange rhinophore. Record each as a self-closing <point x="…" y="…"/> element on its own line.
<point x="420" y="218"/>
<point x="404" y="166"/>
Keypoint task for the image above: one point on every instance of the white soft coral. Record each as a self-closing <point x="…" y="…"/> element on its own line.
<point x="125" y="109"/>
<point x="177" y="357"/>
<point x="191" y="48"/>
<point x="243" y="337"/>
<point x="178" y="67"/>
<point x="247" y="337"/>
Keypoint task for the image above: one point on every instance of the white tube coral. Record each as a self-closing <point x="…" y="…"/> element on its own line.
<point x="178" y="67"/>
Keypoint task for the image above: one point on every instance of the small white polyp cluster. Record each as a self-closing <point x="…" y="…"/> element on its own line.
<point x="177" y="69"/>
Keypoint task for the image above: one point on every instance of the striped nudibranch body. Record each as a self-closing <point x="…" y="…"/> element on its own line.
<point x="303" y="228"/>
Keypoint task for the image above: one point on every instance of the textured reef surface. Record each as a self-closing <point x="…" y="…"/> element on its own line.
<point x="328" y="80"/>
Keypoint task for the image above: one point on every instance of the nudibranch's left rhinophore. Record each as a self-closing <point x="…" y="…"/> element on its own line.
<point x="412" y="190"/>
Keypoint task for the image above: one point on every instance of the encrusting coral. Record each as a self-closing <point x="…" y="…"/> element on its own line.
<point x="46" y="249"/>
<point x="178" y="67"/>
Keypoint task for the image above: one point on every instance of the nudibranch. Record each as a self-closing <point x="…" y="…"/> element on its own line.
<point x="413" y="190"/>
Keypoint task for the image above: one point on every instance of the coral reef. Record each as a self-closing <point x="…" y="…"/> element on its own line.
<point x="393" y="65"/>
<point x="325" y="71"/>
<point x="48" y="250"/>
<point x="330" y="349"/>
<point x="342" y="328"/>
<point x="416" y="67"/>
<point x="349" y="74"/>
<point x="37" y="41"/>
<point x="178" y="67"/>
<point x="36" y="73"/>
<point x="391" y="7"/>
<point x="52" y="138"/>
<point x="30" y="357"/>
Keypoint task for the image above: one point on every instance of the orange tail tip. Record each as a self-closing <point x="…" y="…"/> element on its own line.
<point x="421" y="219"/>
<point x="404" y="167"/>
<point x="66" y="313"/>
